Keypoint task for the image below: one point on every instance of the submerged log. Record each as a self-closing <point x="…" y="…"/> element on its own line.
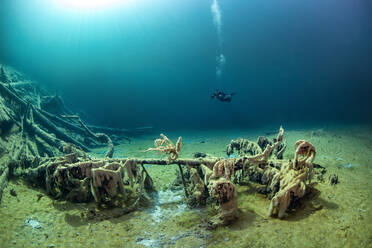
<point x="183" y="181"/>
<point x="100" y="137"/>
<point x="45" y="122"/>
<point x="21" y="84"/>
<point x="40" y="117"/>
<point x="4" y="174"/>
<point x="108" y="130"/>
<point x="66" y="124"/>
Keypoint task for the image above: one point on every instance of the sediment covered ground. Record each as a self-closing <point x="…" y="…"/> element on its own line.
<point x="332" y="216"/>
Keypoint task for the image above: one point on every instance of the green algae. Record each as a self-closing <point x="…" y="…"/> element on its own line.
<point x="188" y="220"/>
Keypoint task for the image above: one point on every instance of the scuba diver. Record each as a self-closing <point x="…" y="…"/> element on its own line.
<point x="222" y="96"/>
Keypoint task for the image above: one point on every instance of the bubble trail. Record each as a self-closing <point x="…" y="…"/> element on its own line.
<point x="217" y="20"/>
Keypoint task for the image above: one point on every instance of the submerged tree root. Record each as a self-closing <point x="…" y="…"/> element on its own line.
<point x="28" y="123"/>
<point x="78" y="178"/>
<point x="100" y="137"/>
<point x="30" y="131"/>
<point x="27" y="131"/>
<point x="4" y="174"/>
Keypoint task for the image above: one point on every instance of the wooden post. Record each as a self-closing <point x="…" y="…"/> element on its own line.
<point x="183" y="180"/>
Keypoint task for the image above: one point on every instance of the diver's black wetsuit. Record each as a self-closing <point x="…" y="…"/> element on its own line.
<point x="222" y="96"/>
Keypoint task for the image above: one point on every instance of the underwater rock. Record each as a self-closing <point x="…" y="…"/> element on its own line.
<point x="33" y="223"/>
<point x="12" y="192"/>
<point x="199" y="155"/>
<point x="333" y="179"/>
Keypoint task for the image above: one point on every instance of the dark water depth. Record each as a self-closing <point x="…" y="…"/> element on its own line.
<point x="153" y="63"/>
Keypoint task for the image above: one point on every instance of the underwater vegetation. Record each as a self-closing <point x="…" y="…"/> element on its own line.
<point x="49" y="147"/>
